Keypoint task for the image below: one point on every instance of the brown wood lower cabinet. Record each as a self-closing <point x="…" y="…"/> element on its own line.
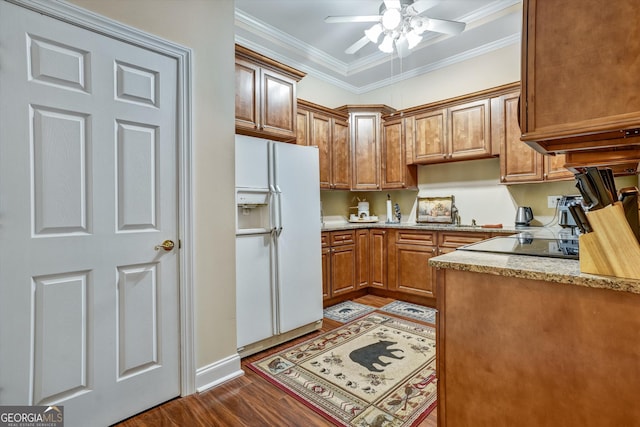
<point x="548" y="354"/>
<point x="448" y="241"/>
<point x="408" y="261"/>
<point x="378" y="257"/>
<point x="339" y="263"/>
<point x="391" y="262"/>
<point x="364" y="258"/>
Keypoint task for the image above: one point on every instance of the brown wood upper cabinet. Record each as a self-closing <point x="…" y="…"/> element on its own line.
<point x="364" y="127"/>
<point x="518" y="161"/>
<point x="329" y="131"/>
<point x="580" y="81"/>
<point x="451" y="130"/>
<point x="265" y="96"/>
<point x="396" y="173"/>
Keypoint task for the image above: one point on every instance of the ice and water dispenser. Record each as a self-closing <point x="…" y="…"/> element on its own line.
<point x="252" y="214"/>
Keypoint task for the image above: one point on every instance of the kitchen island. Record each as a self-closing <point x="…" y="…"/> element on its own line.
<point x="531" y="341"/>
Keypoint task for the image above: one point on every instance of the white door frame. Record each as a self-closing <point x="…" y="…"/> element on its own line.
<point x="77" y="16"/>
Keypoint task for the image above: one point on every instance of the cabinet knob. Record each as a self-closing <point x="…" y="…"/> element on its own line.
<point x="502" y="178"/>
<point x="444" y="156"/>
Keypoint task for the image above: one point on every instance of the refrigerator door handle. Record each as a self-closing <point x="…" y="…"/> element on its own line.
<point x="255" y="232"/>
<point x="279" y="195"/>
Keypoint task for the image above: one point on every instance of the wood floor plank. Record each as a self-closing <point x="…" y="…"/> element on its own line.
<point x="249" y="400"/>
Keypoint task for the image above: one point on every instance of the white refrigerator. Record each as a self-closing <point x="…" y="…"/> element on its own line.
<point x="278" y="248"/>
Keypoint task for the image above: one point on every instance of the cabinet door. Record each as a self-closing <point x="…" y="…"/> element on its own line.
<point x="340" y="155"/>
<point x="470" y="130"/>
<point x="320" y="129"/>
<point x="326" y="273"/>
<point x="554" y="168"/>
<point x="302" y="128"/>
<point x="413" y="274"/>
<point x="393" y="155"/>
<point x="343" y="269"/>
<point x="364" y="256"/>
<point x="378" y="264"/>
<point x="278" y="104"/>
<point x="429" y="137"/>
<point x="366" y="151"/>
<point x="586" y="84"/>
<point x="247" y="92"/>
<point x="518" y="161"/>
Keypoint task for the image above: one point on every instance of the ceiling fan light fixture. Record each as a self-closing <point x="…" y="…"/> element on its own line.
<point x="419" y="24"/>
<point x="391" y="18"/>
<point x="413" y="38"/>
<point x="374" y="32"/>
<point x="387" y="44"/>
<point x="402" y="46"/>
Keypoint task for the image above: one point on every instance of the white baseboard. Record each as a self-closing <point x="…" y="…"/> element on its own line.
<point x="218" y="372"/>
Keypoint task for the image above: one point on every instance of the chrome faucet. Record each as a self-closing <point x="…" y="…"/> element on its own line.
<point x="455" y="215"/>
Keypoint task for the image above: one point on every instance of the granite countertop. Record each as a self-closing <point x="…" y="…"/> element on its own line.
<point x="338" y="226"/>
<point x="555" y="270"/>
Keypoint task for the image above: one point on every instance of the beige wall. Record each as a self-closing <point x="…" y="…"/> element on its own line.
<point x="323" y="93"/>
<point x="489" y="70"/>
<point x="475" y="184"/>
<point x="206" y="27"/>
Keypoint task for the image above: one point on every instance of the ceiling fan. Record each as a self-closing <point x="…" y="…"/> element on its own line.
<point x="401" y="24"/>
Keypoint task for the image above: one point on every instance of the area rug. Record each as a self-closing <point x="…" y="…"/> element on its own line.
<point x="414" y="311"/>
<point x="347" y="311"/>
<point x="377" y="370"/>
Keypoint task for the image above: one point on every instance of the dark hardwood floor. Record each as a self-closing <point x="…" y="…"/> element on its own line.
<point x="247" y="401"/>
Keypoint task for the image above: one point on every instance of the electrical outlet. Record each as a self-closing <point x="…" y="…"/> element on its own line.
<point x="552" y="201"/>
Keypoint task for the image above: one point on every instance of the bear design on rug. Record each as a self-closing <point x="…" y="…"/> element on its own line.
<point x="370" y="354"/>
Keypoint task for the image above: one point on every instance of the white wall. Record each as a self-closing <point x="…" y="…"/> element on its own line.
<point x="206" y="27"/>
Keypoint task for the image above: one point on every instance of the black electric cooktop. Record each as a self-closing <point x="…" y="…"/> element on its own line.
<point x="524" y="244"/>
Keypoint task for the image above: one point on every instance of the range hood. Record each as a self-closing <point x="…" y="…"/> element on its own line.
<point x="622" y="160"/>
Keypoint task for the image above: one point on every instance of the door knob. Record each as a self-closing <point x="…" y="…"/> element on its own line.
<point x="167" y="245"/>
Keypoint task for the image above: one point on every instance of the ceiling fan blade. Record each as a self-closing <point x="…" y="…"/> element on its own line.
<point x="423" y="5"/>
<point x="357" y="45"/>
<point x="343" y="19"/>
<point x="392" y="4"/>
<point x="445" y="26"/>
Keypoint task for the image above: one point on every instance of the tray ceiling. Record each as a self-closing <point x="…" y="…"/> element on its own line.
<point x="294" y="32"/>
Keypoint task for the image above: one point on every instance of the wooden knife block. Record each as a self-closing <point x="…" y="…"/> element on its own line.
<point x="611" y="249"/>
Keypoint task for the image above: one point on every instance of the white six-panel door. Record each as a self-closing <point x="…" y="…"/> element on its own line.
<point x="89" y="313"/>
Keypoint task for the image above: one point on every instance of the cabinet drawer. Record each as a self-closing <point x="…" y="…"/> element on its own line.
<point x="324" y="239"/>
<point x="413" y="237"/>
<point x="339" y="238"/>
<point x="456" y="239"/>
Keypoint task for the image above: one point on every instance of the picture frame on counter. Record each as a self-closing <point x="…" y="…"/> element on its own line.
<point x="437" y="210"/>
